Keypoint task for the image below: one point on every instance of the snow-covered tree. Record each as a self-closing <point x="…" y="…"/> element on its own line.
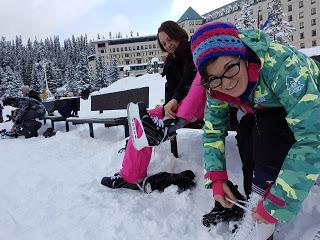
<point x="101" y="77"/>
<point x="10" y="83"/>
<point x="276" y="26"/>
<point x="70" y="79"/>
<point x="246" y="19"/>
<point x="37" y="77"/>
<point x="82" y="75"/>
<point x="53" y="75"/>
<point x="113" y="71"/>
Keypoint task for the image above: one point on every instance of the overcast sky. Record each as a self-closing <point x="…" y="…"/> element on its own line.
<point x="46" y="18"/>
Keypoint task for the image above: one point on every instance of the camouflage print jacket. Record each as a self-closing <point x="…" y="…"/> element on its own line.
<point x="287" y="79"/>
<point x="24" y="104"/>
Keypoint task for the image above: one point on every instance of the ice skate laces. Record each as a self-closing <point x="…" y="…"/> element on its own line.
<point x="159" y="122"/>
<point x="246" y="229"/>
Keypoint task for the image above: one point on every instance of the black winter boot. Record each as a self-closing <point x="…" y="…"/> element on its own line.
<point x="220" y="214"/>
<point x="116" y="181"/>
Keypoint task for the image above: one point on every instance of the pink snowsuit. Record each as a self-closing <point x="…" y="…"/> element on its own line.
<point x="135" y="163"/>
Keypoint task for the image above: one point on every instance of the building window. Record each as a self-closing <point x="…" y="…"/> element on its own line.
<point x="289" y="8"/>
<point x="102" y="51"/>
<point x="117" y="49"/>
<point x="301" y="35"/>
<point x="100" y="45"/>
<point x="122" y="49"/>
<point x="302" y="45"/>
<point x="126" y="55"/>
<point x="313" y="1"/>
<point x="313" y="22"/>
<point x="291" y="37"/>
<point x="313" y="33"/>
<point x="314" y="43"/>
<point x="141" y="47"/>
<point x="154" y="46"/>
<point x="138" y="54"/>
<point x="313" y="11"/>
<point x="127" y="62"/>
<point x="300" y="4"/>
<point x="300" y="15"/>
<point x="301" y="25"/>
<point x="129" y="48"/>
<point x="139" y="61"/>
<point x="113" y="49"/>
<point x="290" y="18"/>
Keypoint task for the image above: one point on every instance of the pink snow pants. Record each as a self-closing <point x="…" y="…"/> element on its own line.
<point x="135" y="163"/>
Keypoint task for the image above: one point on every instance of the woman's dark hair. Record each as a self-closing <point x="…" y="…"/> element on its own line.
<point x="174" y="31"/>
<point x="203" y="70"/>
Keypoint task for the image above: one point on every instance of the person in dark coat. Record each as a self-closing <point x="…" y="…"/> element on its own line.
<point x="28" y="109"/>
<point x="27" y="92"/>
<point x="1" y="117"/>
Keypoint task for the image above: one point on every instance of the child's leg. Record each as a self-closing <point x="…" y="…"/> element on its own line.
<point x="272" y="139"/>
<point x="244" y="140"/>
<point x="135" y="163"/>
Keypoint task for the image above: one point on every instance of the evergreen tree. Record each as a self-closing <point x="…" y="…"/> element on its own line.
<point x="70" y="79"/>
<point x="37" y="78"/>
<point x="246" y="20"/>
<point x="113" y="71"/>
<point x="101" y="77"/>
<point x="82" y="75"/>
<point x="278" y="28"/>
<point x="10" y="83"/>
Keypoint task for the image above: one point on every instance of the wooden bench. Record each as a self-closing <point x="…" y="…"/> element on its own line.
<point x="112" y="101"/>
<point x="56" y="105"/>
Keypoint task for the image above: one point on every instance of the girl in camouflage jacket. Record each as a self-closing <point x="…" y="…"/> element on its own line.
<point x="279" y="87"/>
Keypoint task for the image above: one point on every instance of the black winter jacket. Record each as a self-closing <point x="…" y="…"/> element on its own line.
<point x="24" y="104"/>
<point x="180" y="71"/>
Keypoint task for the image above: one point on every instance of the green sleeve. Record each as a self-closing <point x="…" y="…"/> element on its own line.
<point x="215" y="131"/>
<point x="295" y="85"/>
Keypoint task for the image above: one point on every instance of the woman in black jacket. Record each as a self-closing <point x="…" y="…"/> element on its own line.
<point x="180" y="72"/>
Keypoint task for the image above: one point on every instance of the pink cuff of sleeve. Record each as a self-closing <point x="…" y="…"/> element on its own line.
<point x="217" y="175"/>
<point x="272" y="198"/>
<point x="263" y="213"/>
<point x="217" y="188"/>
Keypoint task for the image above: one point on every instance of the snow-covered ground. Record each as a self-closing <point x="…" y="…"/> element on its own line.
<point x="50" y="188"/>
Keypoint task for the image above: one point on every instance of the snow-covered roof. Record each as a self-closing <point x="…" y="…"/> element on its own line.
<point x="314" y="51"/>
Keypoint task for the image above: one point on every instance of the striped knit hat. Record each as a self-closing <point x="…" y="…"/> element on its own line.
<point x="215" y="39"/>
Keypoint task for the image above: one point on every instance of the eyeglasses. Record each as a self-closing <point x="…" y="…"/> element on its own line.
<point x="232" y="70"/>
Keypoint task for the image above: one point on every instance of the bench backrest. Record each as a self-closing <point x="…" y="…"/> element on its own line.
<point x="119" y="100"/>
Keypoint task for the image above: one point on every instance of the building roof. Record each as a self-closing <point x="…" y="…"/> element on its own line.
<point x="190" y="14"/>
<point x="127" y="40"/>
